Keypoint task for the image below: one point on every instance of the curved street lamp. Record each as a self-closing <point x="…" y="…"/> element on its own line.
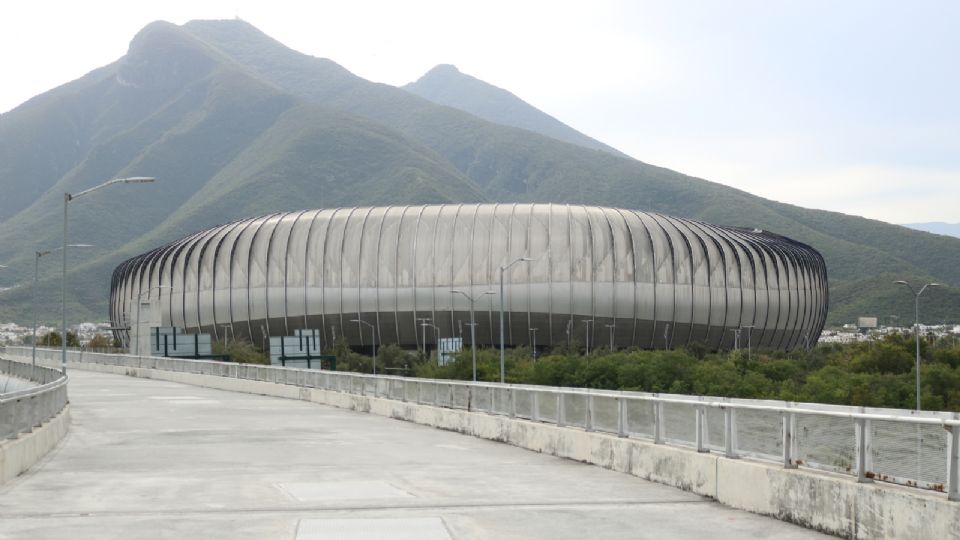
<point x="373" y="332"/>
<point x="36" y="275"/>
<point x="473" y="326"/>
<point x="67" y="197"/>
<point x="916" y="326"/>
<point x="502" y="350"/>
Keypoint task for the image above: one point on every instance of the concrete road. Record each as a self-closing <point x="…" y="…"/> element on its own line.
<point x="152" y="459"/>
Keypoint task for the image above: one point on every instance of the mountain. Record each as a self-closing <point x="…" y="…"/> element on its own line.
<point x="446" y="85"/>
<point x="937" y="227"/>
<point x="233" y="124"/>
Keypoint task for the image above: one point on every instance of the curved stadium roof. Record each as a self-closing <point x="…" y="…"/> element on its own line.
<point x="660" y="281"/>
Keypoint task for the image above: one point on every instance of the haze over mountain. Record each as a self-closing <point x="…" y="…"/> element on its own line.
<point x="937" y="227"/>
<point x="233" y="124"/>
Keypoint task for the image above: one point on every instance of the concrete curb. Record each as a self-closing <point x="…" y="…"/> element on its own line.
<point x="825" y="502"/>
<point x="18" y="455"/>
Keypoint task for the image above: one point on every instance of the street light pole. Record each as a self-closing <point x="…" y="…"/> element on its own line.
<point x="423" y="327"/>
<point x="749" y="339"/>
<point x="534" y="331"/>
<point x="373" y="331"/>
<point x="503" y="354"/>
<point x="473" y="326"/>
<point x="586" y="325"/>
<point x="916" y="325"/>
<point x="63" y="281"/>
<point x="736" y="338"/>
<point x="36" y="274"/>
<point x="611" y="327"/>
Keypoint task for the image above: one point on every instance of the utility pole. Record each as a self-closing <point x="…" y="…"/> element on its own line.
<point x="423" y="325"/>
<point x="534" y="349"/>
<point x="916" y="325"/>
<point x="611" y="327"/>
<point x="586" y="325"/>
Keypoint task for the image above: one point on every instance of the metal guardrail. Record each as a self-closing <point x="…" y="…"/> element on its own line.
<point x="25" y="409"/>
<point x="919" y="450"/>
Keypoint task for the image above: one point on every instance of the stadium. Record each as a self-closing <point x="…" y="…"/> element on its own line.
<point x="575" y="275"/>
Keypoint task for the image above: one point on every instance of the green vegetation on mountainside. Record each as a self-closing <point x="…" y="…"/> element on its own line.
<point x="445" y="85"/>
<point x="235" y="124"/>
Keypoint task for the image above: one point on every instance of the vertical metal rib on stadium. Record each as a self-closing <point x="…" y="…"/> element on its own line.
<point x="652" y="280"/>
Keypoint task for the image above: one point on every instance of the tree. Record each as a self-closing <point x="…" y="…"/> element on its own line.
<point x="100" y="341"/>
<point x="52" y="339"/>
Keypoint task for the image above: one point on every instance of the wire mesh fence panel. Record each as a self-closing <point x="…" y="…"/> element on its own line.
<point x="759" y="433"/>
<point x="480" y="397"/>
<point x="575" y="410"/>
<point x="410" y="390"/>
<point x="428" y="393"/>
<point x="523" y="400"/>
<point x="640" y="418"/>
<point x="908" y="454"/>
<point x="825" y="442"/>
<point x="715" y="429"/>
<point x="356" y="385"/>
<point x="383" y="387"/>
<point x="606" y="414"/>
<point x="395" y="389"/>
<point x="680" y="423"/>
<point x="501" y="401"/>
<point x="444" y="393"/>
<point x="461" y="396"/>
<point x="547" y="407"/>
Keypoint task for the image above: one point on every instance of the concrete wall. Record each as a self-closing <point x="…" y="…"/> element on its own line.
<point x="826" y="502"/>
<point x="18" y="455"/>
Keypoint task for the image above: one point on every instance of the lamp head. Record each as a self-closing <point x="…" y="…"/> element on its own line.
<point x="138" y="180"/>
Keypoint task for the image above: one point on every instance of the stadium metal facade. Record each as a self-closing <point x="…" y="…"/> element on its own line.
<point x="652" y="280"/>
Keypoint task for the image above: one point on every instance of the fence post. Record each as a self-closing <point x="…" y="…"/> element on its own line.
<point x="561" y="415"/>
<point x="588" y="423"/>
<point x="658" y="423"/>
<point x="730" y="432"/>
<point x="621" y="417"/>
<point x="953" y="463"/>
<point x="701" y="425"/>
<point x="860" y="431"/>
<point x="788" y="446"/>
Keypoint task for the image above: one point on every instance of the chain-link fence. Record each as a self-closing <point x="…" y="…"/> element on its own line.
<point x="912" y="448"/>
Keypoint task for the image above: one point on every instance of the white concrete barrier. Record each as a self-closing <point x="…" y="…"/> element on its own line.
<point x="826" y="502"/>
<point x="19" y="454"/>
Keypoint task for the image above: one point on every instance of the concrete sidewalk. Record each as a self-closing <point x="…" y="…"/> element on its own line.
<point x="152" y="459"/>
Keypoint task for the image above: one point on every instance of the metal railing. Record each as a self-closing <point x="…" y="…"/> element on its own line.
<point x="891" y="445"/>
<point x="25" y="409"/>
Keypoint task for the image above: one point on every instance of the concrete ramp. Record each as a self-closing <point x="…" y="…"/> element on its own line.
<point x="155" y="459"/>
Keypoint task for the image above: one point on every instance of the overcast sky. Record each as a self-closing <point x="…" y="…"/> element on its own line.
<point x="851" y="106"/>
